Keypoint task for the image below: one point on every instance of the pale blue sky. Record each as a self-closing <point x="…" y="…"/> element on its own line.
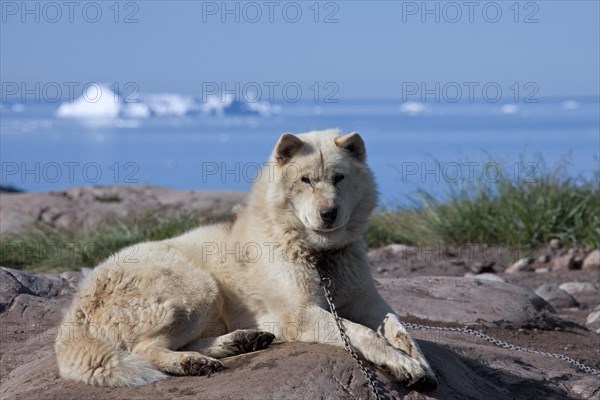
<point x="368" y="53"/>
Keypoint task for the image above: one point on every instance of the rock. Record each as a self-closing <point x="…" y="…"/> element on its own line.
<point x="522" y="265"/>
<point x="72" y="277"/>
<point x="392" y="251"/>
<point x="563" y="263"/>
<point x="593" y="320"/>
<point x="390" y="256"/>
<point x="467" y="301"/>
<point x="544" y="258"/>
<point x="555" y="243"/>
<point x="84" y="209"/>
<point x="489" y="277"/>
<point x="579" y="287"/>
<point x="466" y="368"/>
<point x="592" y="261"/>
<point x="555" y="296"/>
<point x="283" y="371"/>
<point x="578" y="257"/>
<point x="542" y="270"/>
<point x="14" y="282"/>
<point x="479" y="267"/>
<point x="37" y="285"/>
<point x="10" y="287"/>
<point x="396" y="249"/>
<point x="587" y="388"/>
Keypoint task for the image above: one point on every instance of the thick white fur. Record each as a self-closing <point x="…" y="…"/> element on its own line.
<point x="173" y="306"/>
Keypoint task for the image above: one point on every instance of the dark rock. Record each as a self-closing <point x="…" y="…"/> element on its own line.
<point x="555" y="296"/>
<point x="14" y="282"/>
<point x="9" y="189"/>
<point x="10" y="287"/>
<point x="38" y="285"/>
<point x="480" y="267"/>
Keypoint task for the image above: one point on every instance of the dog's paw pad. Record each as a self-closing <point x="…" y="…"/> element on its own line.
<point x="263" y="340"/>
<point x="200" y="366"/>
<point x="252" y="340"/>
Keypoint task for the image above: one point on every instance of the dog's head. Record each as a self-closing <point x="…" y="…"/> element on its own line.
<point x="323" y="182"/>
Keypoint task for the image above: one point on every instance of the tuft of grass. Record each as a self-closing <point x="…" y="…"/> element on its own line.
<point x="526" y="212"/>
<point x="109" y="198"/>
<point x="51" y="250"/>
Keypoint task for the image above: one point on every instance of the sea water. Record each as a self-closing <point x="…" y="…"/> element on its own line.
<point x="186" y="143"/>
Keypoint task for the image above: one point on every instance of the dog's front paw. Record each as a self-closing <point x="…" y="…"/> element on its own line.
<point x="414" y="375"/>
<point x="200" y="365"/>
<point x="247" y="340"/>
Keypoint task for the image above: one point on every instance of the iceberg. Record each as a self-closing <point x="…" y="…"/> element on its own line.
<point x="228" y="105"/>
<point x="170" y="104"/>
<point x="413" y="108"/>
<point x="97" y="102"/>
<point x="509" y="109"/>
<point x="570" y="105"/>
<point x="100" y="104"/>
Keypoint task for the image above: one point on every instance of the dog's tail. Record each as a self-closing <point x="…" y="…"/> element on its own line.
<point x="95" y="361"/>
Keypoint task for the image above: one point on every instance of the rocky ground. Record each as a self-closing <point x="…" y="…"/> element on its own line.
<point x="83" y="209"/>
<point x="548" y="300"/>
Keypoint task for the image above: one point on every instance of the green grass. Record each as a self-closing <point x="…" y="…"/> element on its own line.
<point x="520" y="213"/>
<point x="109" y="198"/>
<point x="50" y="250"/>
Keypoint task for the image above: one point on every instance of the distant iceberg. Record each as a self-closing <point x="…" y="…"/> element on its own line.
<point x="263" y="108"/>
<point x="570" y="105"/>
<point x="170" y="104"/>
<point x="136" y="110"/>
<point x="509" y="109"/>
<point x="99" y="103"/>
<point x="228" y="105"/>
<point x="413" y="108"/>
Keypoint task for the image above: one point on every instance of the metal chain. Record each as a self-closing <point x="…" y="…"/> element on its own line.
<point x="371" y="378"/>
<point x="506" y="345"/>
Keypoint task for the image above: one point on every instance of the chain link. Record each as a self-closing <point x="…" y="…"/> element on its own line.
<point x="506" y="345"/>
<point x="371" y="378"/>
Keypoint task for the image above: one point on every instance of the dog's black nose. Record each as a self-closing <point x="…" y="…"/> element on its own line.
<point x="328" y="214"/>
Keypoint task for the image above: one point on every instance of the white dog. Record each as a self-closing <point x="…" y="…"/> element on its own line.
<point x="230" y="288"/>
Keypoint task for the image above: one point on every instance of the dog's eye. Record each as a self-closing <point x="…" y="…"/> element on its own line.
<point x="305" y="179"/>
<point x="338" y="178"/>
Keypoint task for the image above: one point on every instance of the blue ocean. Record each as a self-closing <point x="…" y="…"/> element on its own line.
<point x="187" y="142"/>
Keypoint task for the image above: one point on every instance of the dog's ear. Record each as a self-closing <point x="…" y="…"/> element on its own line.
<point x="287" y="146"/>
<point x="354" y="144"/>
